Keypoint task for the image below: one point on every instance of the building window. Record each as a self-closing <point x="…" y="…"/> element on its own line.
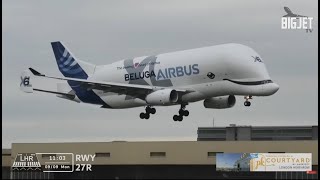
<point x="213" y="154"/>
<point x="105" y="154"/>
<point x="157" y="154"/>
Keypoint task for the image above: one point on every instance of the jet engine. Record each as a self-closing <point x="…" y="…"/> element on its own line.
<point x="220" y="102"/>
<point x="162" y="97"/>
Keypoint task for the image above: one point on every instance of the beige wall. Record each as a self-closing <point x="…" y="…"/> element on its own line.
<point x="6" y="157"/>
<point x="188" y="152"/>
<point x="6" y="160"/>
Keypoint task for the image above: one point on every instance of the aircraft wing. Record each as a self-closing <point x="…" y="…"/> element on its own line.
<point x="129" y="89"/>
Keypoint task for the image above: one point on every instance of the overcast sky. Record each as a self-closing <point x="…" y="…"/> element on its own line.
<point x="102" y="32"/>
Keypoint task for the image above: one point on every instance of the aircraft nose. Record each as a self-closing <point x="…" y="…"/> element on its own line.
<point x="275" y="87"/>
<point x="270" y="89"/>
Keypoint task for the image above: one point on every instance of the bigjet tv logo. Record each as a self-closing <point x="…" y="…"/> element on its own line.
<point x="166" y="73"/>
<point x="295" y="21"/>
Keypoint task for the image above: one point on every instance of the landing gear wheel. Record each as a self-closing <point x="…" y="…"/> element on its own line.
<point x="150" y="110"/>
<point x="175" y="117"/>
<point x="153" y="110"/>
<point x="186" y="113"/>
<point x="247" y="102"/>
<point x="183" y="112"/>
<point x="142" y="115"/>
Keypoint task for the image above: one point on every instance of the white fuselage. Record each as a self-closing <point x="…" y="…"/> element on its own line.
<point x="229" y="69"/>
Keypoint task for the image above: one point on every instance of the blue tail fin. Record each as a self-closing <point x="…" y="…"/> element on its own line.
<point x="67" y="63"/>
<point x="69" y="67"/>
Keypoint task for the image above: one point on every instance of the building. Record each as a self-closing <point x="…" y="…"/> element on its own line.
<point x="257" y="133"/>
<point x="156" y="160"/>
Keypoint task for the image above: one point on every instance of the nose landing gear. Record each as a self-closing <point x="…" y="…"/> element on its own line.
<point x="149" y="110"/>
<point x="182" y="112"/>
<point x="247" y="102"/>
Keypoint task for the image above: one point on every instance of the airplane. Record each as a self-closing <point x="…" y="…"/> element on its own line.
<point x="214" y="75"/>
<point x="290" y="14"/>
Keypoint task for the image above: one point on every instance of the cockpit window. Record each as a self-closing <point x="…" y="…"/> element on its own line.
<point x="251" y="82"/>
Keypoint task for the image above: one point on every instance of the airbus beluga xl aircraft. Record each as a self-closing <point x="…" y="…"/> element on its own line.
<point x="214" y="75"/>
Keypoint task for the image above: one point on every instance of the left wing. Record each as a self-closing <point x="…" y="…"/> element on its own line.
<point x="139" y="91"/>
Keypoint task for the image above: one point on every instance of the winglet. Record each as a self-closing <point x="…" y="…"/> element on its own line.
<point x="36" y="73"/>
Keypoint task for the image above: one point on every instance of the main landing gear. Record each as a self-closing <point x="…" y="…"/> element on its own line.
<point x="149" y="110"/>
<point x="247" y="102"/>
<point x="182" y="112"/>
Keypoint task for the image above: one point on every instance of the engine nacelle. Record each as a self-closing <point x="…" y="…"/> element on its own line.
<point x="221" y="102"/>
<point x="162" y="97"/>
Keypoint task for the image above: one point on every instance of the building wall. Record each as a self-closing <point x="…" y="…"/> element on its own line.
<point x="315" y="132"/>
<point x="244" y="134"/>
<point x="231" y="133"/>
<point x="258" y="133"/>
<point x="6" y="160"/>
